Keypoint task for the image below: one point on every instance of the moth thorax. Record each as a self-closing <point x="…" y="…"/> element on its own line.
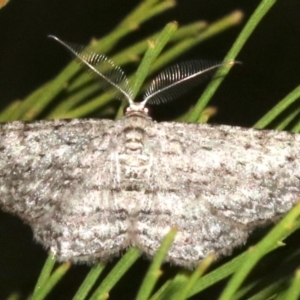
<point x="134" y="140"/>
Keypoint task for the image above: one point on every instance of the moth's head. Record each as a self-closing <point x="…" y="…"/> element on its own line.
<point x="136" y="108"/>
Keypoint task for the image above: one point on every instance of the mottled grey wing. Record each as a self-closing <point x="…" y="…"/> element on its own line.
<point x="91" y="188"/>
<point x="216" y="184"/>
<point x="52" y="175"/>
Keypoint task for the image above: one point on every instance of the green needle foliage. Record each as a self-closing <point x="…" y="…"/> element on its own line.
<point x="80" y="96"/>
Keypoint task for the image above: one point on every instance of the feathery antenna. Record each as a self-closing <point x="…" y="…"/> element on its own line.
<point x="179" y="79"/>
<point x="167" y="86"/>
<point x="102" y="66"/>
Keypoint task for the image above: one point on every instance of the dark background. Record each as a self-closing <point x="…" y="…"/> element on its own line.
<point x="270" y="70"/>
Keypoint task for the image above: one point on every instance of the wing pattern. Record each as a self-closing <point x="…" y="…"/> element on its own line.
<point x="91" y="188"/>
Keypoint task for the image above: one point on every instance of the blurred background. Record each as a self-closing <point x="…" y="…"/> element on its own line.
<point x="270" y="70"/>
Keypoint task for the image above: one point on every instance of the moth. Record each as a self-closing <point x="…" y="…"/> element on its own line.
<point x="92" y="188"/>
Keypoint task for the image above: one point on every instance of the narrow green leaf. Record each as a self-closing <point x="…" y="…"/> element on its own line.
<point x="155" y="47"/>
<point x="185" y="291"/>
<point x="51" y="282"/>
<point x="45" y="274"/>
<point x="278" y="109"/>
<point x="296" y="128"/>
<point x="186" y="44"/>
<point x="255" y="253"/>
<point x="89" y="282"/>
<point x="154" y="271"/>
<point x="293" y="292"/>
<point x="269" y="292"/>
<point x="252" y="23"/>
<point x="290" y="118"/>
<point x="170" y="288"/>
<point x="7" y="114"/>
<point x="128" y="259"/>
